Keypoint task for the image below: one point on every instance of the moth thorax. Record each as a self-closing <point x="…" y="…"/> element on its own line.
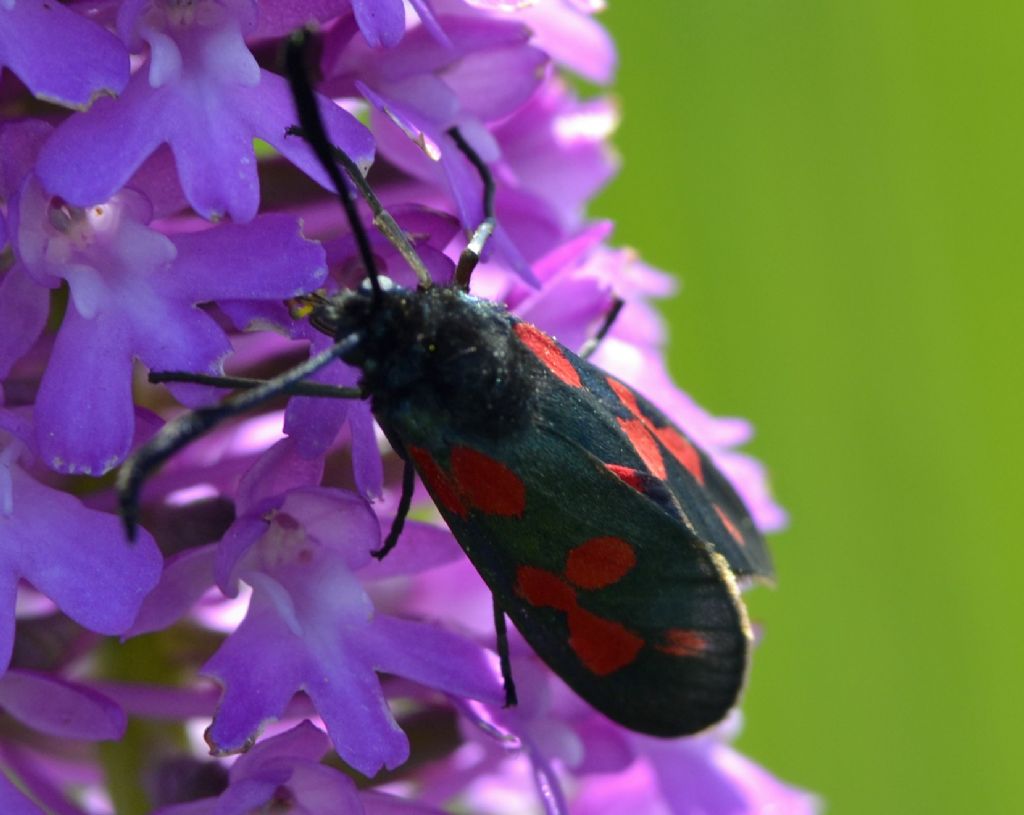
<point x="442" y="353"/>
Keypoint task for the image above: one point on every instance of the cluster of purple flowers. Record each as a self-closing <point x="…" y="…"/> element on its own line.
<point x="164" y="220"/>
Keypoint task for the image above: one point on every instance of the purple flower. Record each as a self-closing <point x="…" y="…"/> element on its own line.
<point x="133" y="293"/>
<point x="285" y="772"/>
<point x="76" y="556"/>
<point x="13" y="800"/>
<point x="203" y="95"/>
<point x="60" y="708"/>
<point x="703" y="774"/>
<point x="425" y="87"/>
<point x="566" y="30"/>
<point x="61" y="56"/>
<point x="558" y="740"/>
<point x="300" y="547"/>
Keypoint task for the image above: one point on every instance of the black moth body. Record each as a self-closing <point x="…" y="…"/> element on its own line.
<point x="612" y="543"/>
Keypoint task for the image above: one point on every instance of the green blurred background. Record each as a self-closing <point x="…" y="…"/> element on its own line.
<point x="839" y="185"/>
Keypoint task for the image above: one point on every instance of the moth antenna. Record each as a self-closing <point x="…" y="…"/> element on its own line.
<point x="590" y="346"/>
<point x="470" y="256"/>
<point x="189" y="426"/>
<point x="382" y="219"/>
<point x="297" y="71"/>
<point x="319" y="389"/>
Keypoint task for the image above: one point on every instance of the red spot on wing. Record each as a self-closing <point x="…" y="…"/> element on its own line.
<point x="441" y="487"/>
<point x="628" y="475"/>
<point x="603" y="646"/>
<point x="599" y="562"/>
<point x="487" y="484"/>
<point x="684" y="452"/>
<point x="642" y="432"/>
<point x="645" y="445"/>
<point x="542" y="588"/>
<point x="548" y="352"/>
<point x="683" y="642"/>
<point x="730" y="527"/>
<point x="626" y="396"/>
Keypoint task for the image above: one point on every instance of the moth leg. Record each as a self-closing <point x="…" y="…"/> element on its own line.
<point x="404" y="502"/>
<point x="590" y="346"/>
<point x="177" y="433"/>
<point x="247" y="383"/>
<point x="470" y="256"/>
<point x="504" y="658"/>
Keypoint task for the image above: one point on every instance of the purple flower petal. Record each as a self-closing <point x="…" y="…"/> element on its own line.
<point x="211" y="142"/>
<point x="24" y="307"/>
<point x="133" y="293"/>
<point x="278" y="471"/>
<point x="304" y="742"/>
<point x="270" y="110"/>
<point x="422" y="546"/>
<point x="702" y="774"/>
<point x="270" y="260"/>
<point x="314" y="422"/>
<point x="186" y="577"/>
<point x="60" y="708"/>
<point x="572" y="39"/>
<point x="556" y="147"/>
<point x="60" y="55"/>
<point x="430" y="21"/>
<point x="242" y="535"/>
<point x="382" y="22"/>
<point x="76" y="162"/>
<point x="13" y="801"/>
<point x="77" y="557"/>
<point x="433" y="656"/>
<point x="84" y="415"/>
<point x="19" y="145"/>
<point x="254" y="691"/>
<point x="491" y="84"/>
<point x="314" y="626"/>
<point x="379" y="803"/>
<point x="367" y="465"/>
<point x="337" y="519"/>
<point x="284" y="16"/>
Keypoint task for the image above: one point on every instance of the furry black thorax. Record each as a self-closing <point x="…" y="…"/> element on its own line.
<point x="449" y="354"/>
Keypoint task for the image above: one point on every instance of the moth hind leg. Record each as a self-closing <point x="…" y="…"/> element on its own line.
<point x="402" y="513"/>
<point x="504" y="656"/>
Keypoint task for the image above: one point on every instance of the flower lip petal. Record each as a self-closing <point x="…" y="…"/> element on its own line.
<point x="59" y="708"/>
<point x="61" y="55"/>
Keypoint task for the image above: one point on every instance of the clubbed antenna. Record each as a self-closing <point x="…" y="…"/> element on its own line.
<point x="470" y="256"/>
<point x="297" y="69"/>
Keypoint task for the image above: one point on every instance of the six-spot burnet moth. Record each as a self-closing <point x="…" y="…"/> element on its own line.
<point x="610" y="540"/>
